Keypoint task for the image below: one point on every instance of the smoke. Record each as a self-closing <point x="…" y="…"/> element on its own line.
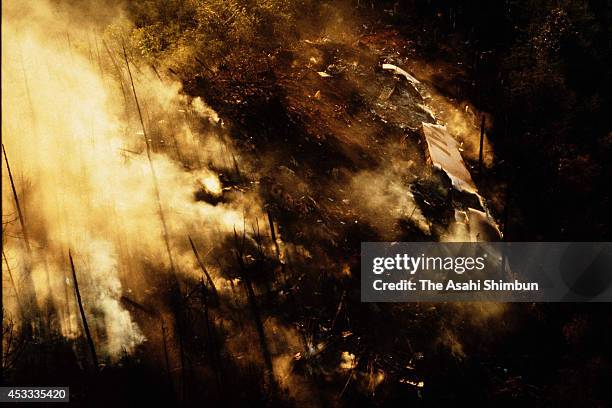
<point x="383" y="198"/>
<point x="78" y="154"/>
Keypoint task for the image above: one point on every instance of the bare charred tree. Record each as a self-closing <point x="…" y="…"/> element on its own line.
<point x="24" y="230"/>
<point x="480" y="151"/>
<point x="265" y="350"/>
<point x="211" y="339"/>
<point x="90" y="342"/>
<point x="204" y="270"/>
<point x="29" y="303"/>
<point x="175" y="288"/>
<point x="166" y="359"/>
<point x="119" y="75"/>
<point x="10" y="273"/>
<point x="276" y="246"/>
<point x="152" y="167"/>
<point x="14" y="344"/>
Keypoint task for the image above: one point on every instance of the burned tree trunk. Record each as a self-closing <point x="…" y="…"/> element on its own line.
<point x="211" y="340"/>
<point x="480" y="152"/>
<point x="24" y="230"/>
<point x="92" y="347"/>
<point x="276" y="246"/>
<point x="261" y="334"/>
<point x="166" y="359"/>
<point x="175" y="288"/>
<point x="10" y="273"/>
<point x="204" y="270"/>
<point x="153" y="173"/>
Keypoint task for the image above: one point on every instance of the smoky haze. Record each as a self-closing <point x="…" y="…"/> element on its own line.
<point x="75" y="143"/>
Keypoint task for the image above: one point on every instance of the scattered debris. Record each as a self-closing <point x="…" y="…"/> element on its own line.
<point x="348" y="361"/>
<point x="475" y="226"/>
<point x="444" y="154"/>
<point x="482" y="227"/>
<point x="386" y="93"/>
<point x="398" y="71"/>
<point x="418" y="384"/>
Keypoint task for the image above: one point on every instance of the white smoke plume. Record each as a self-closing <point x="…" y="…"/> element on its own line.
<point x="78" y="155"/>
